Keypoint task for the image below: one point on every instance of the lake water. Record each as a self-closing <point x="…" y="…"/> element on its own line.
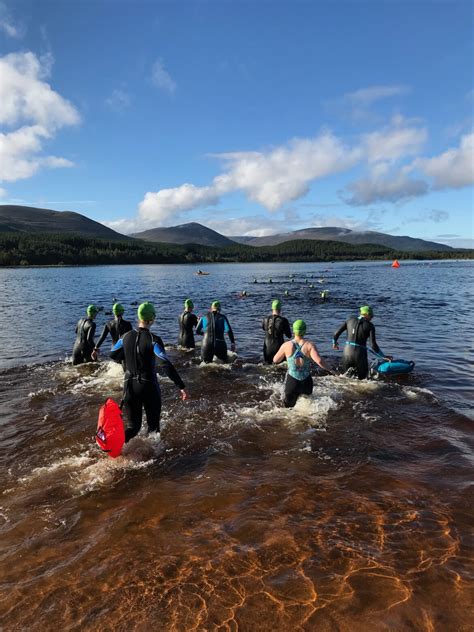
<point x="352" y="511"/>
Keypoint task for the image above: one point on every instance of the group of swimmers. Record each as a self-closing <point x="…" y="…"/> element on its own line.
<point x="142" y="353"/>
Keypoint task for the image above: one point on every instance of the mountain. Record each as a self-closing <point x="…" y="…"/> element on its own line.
<point x="192" y="233"/>
<point x="345" y="235"/>
<point x="27" y="219"/>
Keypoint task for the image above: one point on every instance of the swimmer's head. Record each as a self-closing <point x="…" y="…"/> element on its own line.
<point x="276" y="305"/>
<point x="299" y="327"/>
<point x="92" y="311"/>
<point x="118" y="309"/>
<point x="366" y="310"/>
<point x="216" y="305"/>
<point x="146" y="312"/>
<point x="188" y="304"/>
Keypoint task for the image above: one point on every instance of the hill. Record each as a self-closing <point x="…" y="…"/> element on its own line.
<point x="30" y="220"/>
<point x="192" y="233"/>
<point x="344" y="235"/>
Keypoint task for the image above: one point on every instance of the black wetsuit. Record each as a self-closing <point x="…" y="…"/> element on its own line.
<point x="84" y="345"/>
<point x="187" y="322"/>
<point x="116" y="328"/>
<point x="275" y="328"/>
<point x="359" y="330"/>
<point x="214" y="325"/>
<point x="143" y="354"/>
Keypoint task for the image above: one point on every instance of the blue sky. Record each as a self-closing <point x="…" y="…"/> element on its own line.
<point x="250" y="117"/>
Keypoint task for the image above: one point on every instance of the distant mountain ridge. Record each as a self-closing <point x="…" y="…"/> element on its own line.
<point x="348" y="236"/>
<point x="192" y="233"/>
<point x="28" y="219"/>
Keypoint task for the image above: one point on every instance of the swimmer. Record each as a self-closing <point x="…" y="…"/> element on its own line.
<point x="213" y="327"/>
<point x="187" y="322"/>
<point x="85" y="331"/>
<point x="275" y="327"/>
<point x="116" y="328"/>
<point x="299" y="353"/>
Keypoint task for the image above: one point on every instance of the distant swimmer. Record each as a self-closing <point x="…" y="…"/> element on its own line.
<point x="324" y="295"/>
<point x="85" y="331"/>
<point x="116" y="328"/>
<point x="143" y="353"/>
<point x="187" y="322"/>
<point x="359" y="330"/>
<point x="299" y="353"/>
<point x="213" y="327"/>
<point x="275" y="327"/>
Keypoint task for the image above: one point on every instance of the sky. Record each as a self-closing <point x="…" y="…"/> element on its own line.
<point x="251" y="118"/>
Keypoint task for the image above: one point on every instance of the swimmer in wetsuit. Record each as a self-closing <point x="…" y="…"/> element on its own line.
<point x="142" y="354"/>
<point x="213" y="326"/>
<point x="275" y="327"/>
<point x="116" y="328"/>
<point x="85" y="330"/>
<point x="359" y="330"/>
<point x="187" y="322"/>
<point x="299" y="353"/>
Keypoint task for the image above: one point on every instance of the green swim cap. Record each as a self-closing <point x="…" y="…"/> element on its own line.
<point x="118" y="309"/>
<point x="92" y="310"/>
<point x="299" y="327"/>
<point x="215" y="305"/>
<point x="188" y="303"/>
<point x="366" y="310"/>
<point x="276" y="304"/>
<point x="146" y="311"/>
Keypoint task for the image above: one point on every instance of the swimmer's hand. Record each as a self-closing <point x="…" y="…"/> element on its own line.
<point x="388" y="358"/>
<point x="232" y="347"/>
<point x="335" y="346"/>
<point x="183" y="394"/>
<point x="95" y="355"/>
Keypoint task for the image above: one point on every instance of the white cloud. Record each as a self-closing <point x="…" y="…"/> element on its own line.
<point x="394" y="142"/>
<point x="453" y="168"/>
<point x="3" y="193"/>
<point x="9" y="26"/>
<point x="394" y="187"/>
<point x="28" y="103"/>
<point x="366" y="96"/>
<point x="118" y="101"/>
<point x="161" y="77"/>
<point x="158" y="207"/>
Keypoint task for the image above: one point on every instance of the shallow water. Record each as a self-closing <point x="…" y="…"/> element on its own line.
<point x="351" y="512"/>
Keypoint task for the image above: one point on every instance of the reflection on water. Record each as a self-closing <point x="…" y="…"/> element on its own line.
<point x="350" y="512"/>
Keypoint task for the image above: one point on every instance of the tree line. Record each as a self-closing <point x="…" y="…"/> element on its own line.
<point x="21" y="249"/>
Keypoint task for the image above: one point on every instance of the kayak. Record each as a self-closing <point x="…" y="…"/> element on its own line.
<point x="395" y="367"/>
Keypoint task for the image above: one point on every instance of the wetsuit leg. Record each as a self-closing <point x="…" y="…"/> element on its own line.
<point x="187" y="340"/>
<point x="270" y="348"/>
<point x="152" y="405"/>
<point x="295" y="388"/>
<point x="207" y="353"/>
<point x="77" y="357"/>
<point x="355" y="358"/>
<point x="220" y="351"/>
<point x="133" y="402"/>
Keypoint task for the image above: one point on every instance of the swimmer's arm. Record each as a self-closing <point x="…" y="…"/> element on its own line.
<point x="287" y="330"/>
<point x="164" y="363"/>
<point x="373" y="342"/>
<point x="90" y="334"/>
<point x="342" y="328"/>
<point x="103" y="336"/>
<point x="280" y="355"/>
<point x="201" y="326"/>
<point x="228" y="330"/>
<point x="315" y="357"/>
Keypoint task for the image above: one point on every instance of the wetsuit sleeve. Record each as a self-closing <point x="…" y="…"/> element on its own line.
<point x="194" y="320"/>
<point x="373" y="342"/>
<point x="103" y="336"/>
<point x="90" y="334"/>
<point x="163" y="363"/>
<point x="264" y="324"/>
<point x="117" y="353"/>
<point x="287" y="330"/>
<point x="228" y="330"/>
<point x="342" y="328"/>
<point x="201" y="326"/>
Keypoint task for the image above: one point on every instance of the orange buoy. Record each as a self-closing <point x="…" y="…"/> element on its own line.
<point x="110" y="435"/>
<point x="395" y="264"/>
